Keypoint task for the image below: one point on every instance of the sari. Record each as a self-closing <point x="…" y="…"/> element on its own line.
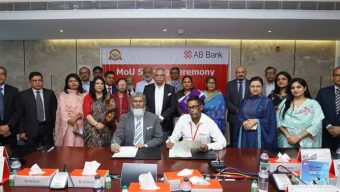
<point x="215" y="108"/>
<point x="122" y="104"/>
<point x="94" y="137"/>
<point x="69" y="104"/>
<point x="183" y="99"/>
<point x="265" y="135"/>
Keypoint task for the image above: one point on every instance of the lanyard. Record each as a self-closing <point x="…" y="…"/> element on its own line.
<point x="194" y="136"/>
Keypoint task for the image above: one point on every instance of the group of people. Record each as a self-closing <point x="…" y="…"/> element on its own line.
<point x="106" y="112"/>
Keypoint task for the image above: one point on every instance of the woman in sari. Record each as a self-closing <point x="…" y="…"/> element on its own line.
<point x="299" y="118"/>
<point x="214" y="103"/>
<point x="187" y="92"/>
<point x="98" y="109"/>
<point x="69" y="118"/>
<point x="256" y="121"/>
<point x="281" y="88"/>
<point x="122" y="98"/>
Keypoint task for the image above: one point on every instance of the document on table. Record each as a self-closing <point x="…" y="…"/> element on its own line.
<point x="126" y="152"/>
<point x="183" y="148"/>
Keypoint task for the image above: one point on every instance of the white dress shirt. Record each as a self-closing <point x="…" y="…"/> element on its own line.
<point x="159" y="95"/>
<point x="86" y="86"/>
<point x="42" y="98"/>
<point x="205" y="131"/>
<point x="269" y="87"/>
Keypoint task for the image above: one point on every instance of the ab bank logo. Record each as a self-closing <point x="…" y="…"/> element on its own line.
<point x="187" y="54"/>
<point x="115" y="55"/>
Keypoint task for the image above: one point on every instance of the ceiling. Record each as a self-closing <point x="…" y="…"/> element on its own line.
<point x="215" y="24"/>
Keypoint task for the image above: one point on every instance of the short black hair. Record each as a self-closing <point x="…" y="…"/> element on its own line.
<point x="174" y="68"/>
<point x="3" y="68"/>
<point x="336" y="68"/>
<point x="109" y="73"/>
<point x="196" y="98"/>
<point x="35" y="73"/>
<point x="97" y="68"/>
<point x="270" y="67"/>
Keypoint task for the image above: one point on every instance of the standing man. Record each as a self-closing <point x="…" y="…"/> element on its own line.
<point x="148" y="79"/>
<point x="329" y="99"/>
<point x="109" y="77"/>
<point x="97" y="72"/>
<point x="85" y="74"/>
<point x="269" y="85"/>
<point x="9" y="96"/>
<point x="175" y="82"/>
<point x="138" y="128"/>
<point x="160" y="100"/>
<point x="37" y="113"/>
<point x="236" y="91"/>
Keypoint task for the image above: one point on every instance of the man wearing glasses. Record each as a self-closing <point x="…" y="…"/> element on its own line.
<point x="196" y="126"/>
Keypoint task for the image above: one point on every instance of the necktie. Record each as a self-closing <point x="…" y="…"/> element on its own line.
<point x="337" y="101"/>
<point x="139" y="131"/>
<point x="240" y="90"/>
<point x="109" y="90"/>
<point x="1" y="104"/>
<point x="40" y="107"/>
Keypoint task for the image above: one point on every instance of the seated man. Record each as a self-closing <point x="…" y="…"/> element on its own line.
<point x="197" y="126"/>
<point x="137" y="128"/>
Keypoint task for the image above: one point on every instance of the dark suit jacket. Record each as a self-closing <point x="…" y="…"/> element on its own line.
<point x="326" y="98"/>
<point x="28" y="114"/>
<point x="11" y="115"/>
<point x="232" y="100"/>
<point x="169" y="104"/>
<point x="125" y="133"/>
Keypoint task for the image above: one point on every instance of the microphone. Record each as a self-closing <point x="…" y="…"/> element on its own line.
<point x="289" y="171"/>
<point x="66" y="170"/>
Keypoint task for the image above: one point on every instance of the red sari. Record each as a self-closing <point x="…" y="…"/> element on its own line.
<point x="122" y="104"/>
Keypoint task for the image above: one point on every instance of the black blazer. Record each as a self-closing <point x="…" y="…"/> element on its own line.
<point x="11" y="106"/>
<point x="232" y="100"/>
<point x="326" y="98"/>
<point x="169" y="104"/>
<point x="28" y="114"/>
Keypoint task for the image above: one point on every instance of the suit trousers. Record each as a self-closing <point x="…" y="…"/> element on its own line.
<point x="43" y="137"/>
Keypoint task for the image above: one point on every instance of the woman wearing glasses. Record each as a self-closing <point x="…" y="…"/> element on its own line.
<point x="122" y="98"/>
<point x="256" y="119"/>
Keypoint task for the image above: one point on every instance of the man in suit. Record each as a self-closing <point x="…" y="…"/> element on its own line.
<point x="147" y="79"/>
<point x="85" y="74"/>
<point x="137" y="128"/>
<point x="269" y="85"/>
<point x="175" y="82"/>
<point x="37" y="113"/>
<point x="329" y="99"/>
<point x="235" y="91"/>
<point x="9" y="96"/>
<point x="160" y="100"/>
<point x="109" y="77"/>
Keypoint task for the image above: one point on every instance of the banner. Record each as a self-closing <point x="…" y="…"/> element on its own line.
<point x="197" y="62"/>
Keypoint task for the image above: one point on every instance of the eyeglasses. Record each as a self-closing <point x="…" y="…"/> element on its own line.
<point x="138" y="101"/>
<point x="195" y="107"/>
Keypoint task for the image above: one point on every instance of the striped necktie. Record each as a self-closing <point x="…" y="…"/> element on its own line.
<point x="139" y="132"/>
<point x="337" y="101"/>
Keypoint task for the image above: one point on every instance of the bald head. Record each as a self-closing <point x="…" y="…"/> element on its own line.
<point x="240" y="73"/>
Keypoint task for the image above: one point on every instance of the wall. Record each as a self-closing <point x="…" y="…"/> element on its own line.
<point x="312" y="60"/>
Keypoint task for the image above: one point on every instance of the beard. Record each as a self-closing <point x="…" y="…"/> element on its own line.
<point x="138" y="112"/>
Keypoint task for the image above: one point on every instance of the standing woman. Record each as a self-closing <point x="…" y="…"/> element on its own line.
<point x="187" y="92"/>
<point x="122" y="98"/>
<point x="280" y="92"/>
<point x="299" y="118"/>
<point x="69" y="118"/>
<point x="214" y="103"/>
<point x="256" y="121"/>
<point x="97" y="108"/>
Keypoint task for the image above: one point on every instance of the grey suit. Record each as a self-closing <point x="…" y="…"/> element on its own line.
<point x="125" y="133"/>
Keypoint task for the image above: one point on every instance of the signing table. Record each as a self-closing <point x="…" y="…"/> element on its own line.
<point x="74" y="158"/>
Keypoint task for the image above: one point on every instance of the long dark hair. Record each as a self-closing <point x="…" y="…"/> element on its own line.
<point x="287" y="75"/>
<point x="290" y="96"/>
<point x="93" y="91"/>
<point x="74" y="75"/>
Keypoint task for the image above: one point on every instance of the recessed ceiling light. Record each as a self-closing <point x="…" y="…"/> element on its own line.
<point x="269" y="31"/>
<point x="61" y="30"/>
<point x="165" y="30"/>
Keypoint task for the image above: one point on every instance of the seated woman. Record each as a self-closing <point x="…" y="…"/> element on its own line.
<point x="280" y="92"/>
<point x="299" y="118"/>
<point x="256" y="121"/>
<point x="214" y="106"/>
<point x="122" y="99"/>
<point x="183" y="95"/>
<point x="69" y="118"/>
<point x="98" y="109"/>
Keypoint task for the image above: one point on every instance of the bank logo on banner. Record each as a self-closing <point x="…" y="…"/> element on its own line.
<point x="115" y="55"/>
<point x="187" y="54"/>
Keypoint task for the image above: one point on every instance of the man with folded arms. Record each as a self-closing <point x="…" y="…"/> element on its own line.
<point x="137" y="128"/>
<point x="196" y="126"/>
